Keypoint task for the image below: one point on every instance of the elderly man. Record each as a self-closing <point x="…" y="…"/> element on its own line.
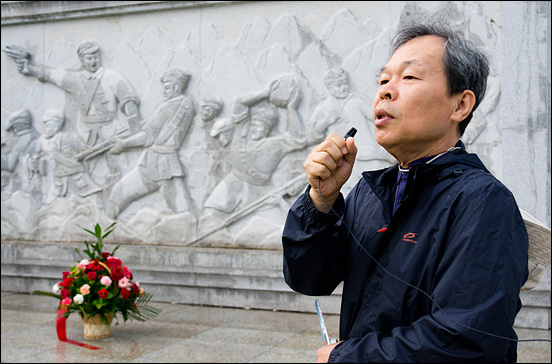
<point x="433" y="250"/>
<point x="159" y="166"/>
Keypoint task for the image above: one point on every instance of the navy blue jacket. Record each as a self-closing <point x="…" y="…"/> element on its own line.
<point x="458" y="235"/>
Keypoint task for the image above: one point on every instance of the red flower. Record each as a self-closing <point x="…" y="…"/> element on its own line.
<point x="64" y="293"/>
<point x="65" y="274"/>
<point x="93" y="266"/>
<point x="135" y="289"/>
<point x="105" y="255"/>
<point x="91" y="275"/>
<point x="125" y="293"/>
<point x="114" y="262"/>
<point x="103" y="293"/>
<point x="127" y="272"/>
<point x="66" y="282"/>
<point x="117" y="273"/>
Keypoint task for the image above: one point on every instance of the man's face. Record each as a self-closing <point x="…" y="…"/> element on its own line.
<point x="91" y="62"/>
<point x="339" y="88"/>
<point x="50" y="127"/>
<point x="207" y="112"/>
<point x="412" y="109"/>
<point x="170" y="89"/>
<point x="259" y="129"/>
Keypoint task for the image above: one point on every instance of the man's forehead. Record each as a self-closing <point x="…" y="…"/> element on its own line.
<point x="419" y="52"/>
<point x="404" y="64"/>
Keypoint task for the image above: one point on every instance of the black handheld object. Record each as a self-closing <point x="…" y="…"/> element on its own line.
<point x="350" y="133"/>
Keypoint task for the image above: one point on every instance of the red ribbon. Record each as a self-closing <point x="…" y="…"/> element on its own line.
<point x="62" y="334"/>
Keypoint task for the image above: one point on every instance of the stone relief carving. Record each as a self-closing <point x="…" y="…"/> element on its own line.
<point x="254" y="153"/>
<point x="218" y="172"/>
<point x="159" y="166"/>
<point x="19" y="135"/>
<point x="54" y="160"/>
<point x="341" y="108"/>
<point x="95" y="95"/>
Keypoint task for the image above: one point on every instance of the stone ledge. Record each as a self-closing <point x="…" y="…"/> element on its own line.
<point x="16" y="12"/>
<point x="203" y="276"/>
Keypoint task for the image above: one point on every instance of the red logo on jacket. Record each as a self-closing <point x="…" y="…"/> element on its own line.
<point x="411" y="237"/>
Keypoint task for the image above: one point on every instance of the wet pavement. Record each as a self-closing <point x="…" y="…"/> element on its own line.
<point x="183" y="333"/>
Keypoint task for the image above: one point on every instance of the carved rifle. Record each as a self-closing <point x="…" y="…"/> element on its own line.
<point x="103" y="146"/>
<point x="301" y="179"/>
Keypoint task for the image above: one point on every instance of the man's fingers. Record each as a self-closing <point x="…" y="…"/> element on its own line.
<point x="320" y="164"/>
<point x="333" y="146"/>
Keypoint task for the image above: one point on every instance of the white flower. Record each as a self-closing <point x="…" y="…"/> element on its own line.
<point x="84" y="262"/>
<point x="56" y="289"/>
<point x="78" y="299"/>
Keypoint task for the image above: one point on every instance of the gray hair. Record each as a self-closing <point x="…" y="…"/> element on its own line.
<point x="466" y="67"/>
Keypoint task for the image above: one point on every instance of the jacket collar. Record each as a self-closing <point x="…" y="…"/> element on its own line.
<point x="382" y="181"/>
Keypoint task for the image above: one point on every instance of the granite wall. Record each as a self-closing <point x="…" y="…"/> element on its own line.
<point x="188" y="124"/>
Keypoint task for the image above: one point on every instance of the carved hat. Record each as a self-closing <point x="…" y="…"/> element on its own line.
<point x="214" y="101"/>
<point x="265" y="114"/>
<point x="221" y="125"/>
<point x="53" y="114"/>
<point x="88" y="47"/>
<point x="335" y="74"/>
<point x="176" y="75"/>
<point x="22" y="117"/>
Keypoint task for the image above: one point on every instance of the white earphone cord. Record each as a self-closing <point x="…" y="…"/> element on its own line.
<point x="417" y="288"/>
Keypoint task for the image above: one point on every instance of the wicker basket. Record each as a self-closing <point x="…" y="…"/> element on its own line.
<point x="95" y="328"/>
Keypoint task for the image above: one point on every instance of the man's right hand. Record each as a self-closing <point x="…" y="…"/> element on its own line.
<point x="330" y="165"/>
<point x="118" y="146"/>
<point x="23" y="66"/>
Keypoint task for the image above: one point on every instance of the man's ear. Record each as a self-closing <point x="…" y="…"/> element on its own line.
<point x="464" y="105"/>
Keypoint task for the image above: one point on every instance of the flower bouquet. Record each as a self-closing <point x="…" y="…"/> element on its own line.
<point x="99" y="287"/>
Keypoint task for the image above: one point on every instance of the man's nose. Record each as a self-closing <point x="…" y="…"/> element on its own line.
<point x="387" y="91"/>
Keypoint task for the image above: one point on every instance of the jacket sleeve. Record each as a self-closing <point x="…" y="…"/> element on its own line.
<point x="479" y="272"/>
<point x="315" y="252"/>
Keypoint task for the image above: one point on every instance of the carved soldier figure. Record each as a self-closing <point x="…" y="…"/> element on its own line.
<point x="210" y="108"/>
<point x="223" y="130"/>
<point x="341" y="110"/>
<point x="254" y="153"/>
<point x="98" y="93"/>
<point x="159" y="166"/>
<point x="15" y="144"/>
<point x="54" y="157"/>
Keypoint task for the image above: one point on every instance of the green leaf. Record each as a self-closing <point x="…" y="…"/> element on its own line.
<point x="98" y="231"/>
<point x="109" y="231"/>
<point x="86" y="230"/>
<point x="51" y="294"/>
<point x="114" y="250"/>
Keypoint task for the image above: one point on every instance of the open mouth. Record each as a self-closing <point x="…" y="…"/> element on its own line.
<point x="382" y="114"/>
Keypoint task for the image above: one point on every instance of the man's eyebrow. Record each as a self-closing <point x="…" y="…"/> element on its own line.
<point x="404" y="64"/>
